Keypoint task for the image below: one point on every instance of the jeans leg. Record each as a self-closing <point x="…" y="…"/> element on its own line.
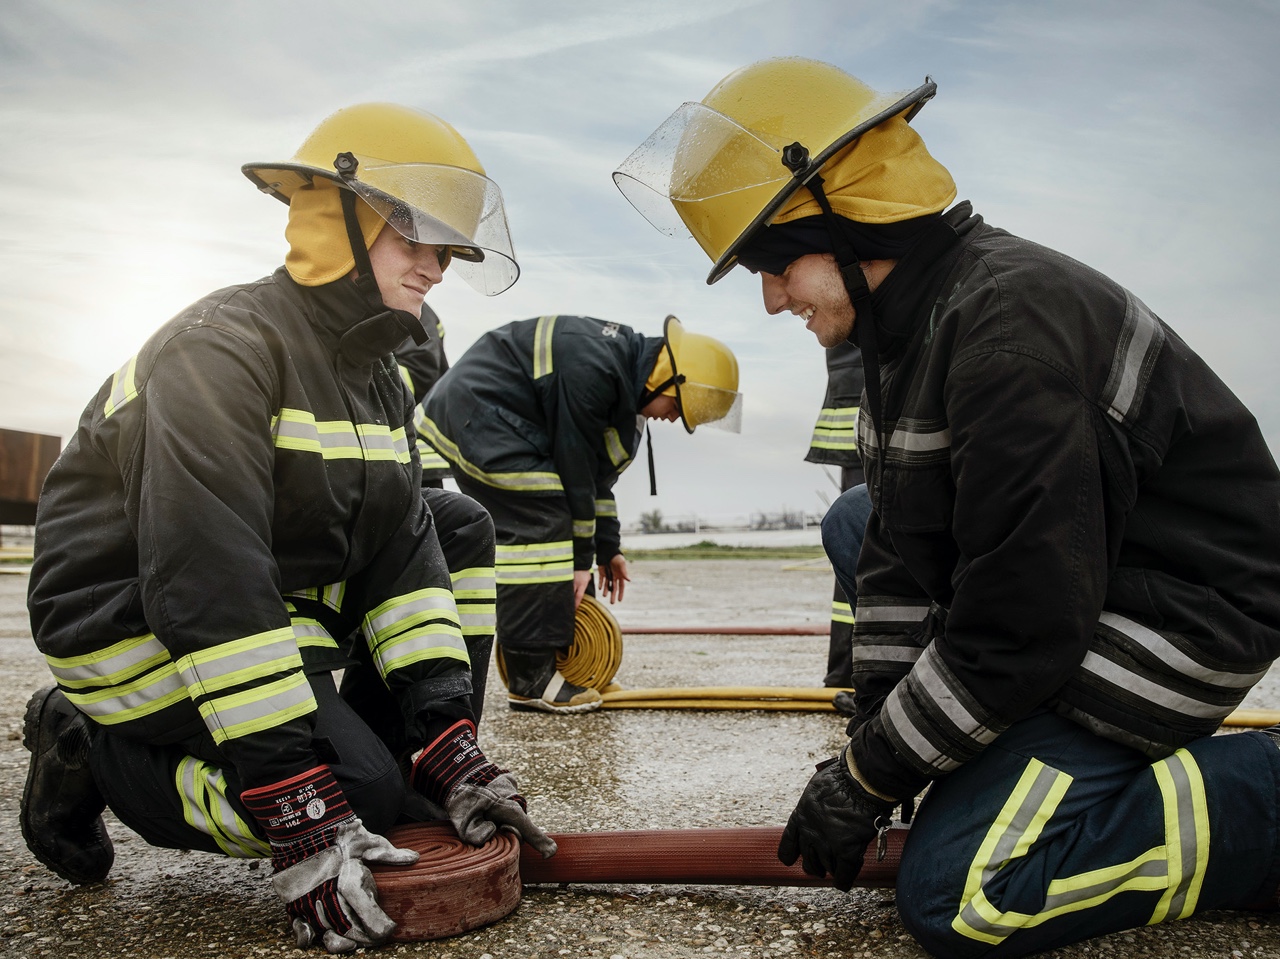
<point x="843" y="529"/>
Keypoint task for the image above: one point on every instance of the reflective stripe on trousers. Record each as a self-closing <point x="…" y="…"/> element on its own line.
<point x="1054" y="835"/>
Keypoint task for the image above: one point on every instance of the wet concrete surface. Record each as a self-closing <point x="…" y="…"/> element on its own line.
<point x="625" y="769"/>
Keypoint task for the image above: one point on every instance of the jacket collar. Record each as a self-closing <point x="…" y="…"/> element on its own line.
<point x="348" y="324"/>
<point x="901" y="301"/>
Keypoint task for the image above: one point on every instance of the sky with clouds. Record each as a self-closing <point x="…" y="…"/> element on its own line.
<point x="1141" y="138"/>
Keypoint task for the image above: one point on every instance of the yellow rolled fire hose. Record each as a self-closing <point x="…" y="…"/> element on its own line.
<point x="594" y="656"/>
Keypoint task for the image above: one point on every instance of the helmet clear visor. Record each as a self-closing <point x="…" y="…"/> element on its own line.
<point x="697" y="154"/>
<point x="702" y="405"/>
<point x="444" y="206"/>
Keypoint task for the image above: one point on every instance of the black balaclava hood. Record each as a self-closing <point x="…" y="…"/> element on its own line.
<point x="774" y="248"/>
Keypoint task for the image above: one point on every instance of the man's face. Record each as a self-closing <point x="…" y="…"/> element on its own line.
<point x="812" y="289"/>
<point x="661" y="407"/>
<point x="405" y="270"/>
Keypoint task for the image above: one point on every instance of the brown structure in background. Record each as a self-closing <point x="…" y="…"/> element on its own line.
<point x="25" y="459"/>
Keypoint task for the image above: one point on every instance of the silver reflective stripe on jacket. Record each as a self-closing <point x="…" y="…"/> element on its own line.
<point x="912" y="441"/>
<point x="1141" y="338"/>
<point x="1180" y="682"/>
<point x="933" y="721"/>
<point x="883" y="633"/>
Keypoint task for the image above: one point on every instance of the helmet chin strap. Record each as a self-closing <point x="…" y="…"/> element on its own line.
<point x="365" y="280"/>
<point x="796" y="158"/>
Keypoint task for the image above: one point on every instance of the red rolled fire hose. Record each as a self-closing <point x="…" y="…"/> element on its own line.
<point x="454" y="887"/>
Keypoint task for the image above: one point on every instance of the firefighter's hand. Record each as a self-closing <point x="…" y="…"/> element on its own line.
<point x="614" y="578"/>
<point x="479" y="796"/>
<point x="832" y="824"/>
<point x="319" y="850"/>
<point x="581" y="580"/>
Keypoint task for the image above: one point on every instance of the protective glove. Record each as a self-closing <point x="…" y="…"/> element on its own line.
<point x="833" y="822"/>
<point x="478" y="796"/>
<point x="319" y="850"/>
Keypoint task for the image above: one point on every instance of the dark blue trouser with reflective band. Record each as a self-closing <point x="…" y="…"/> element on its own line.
<point x="1054" y="835"/>
<point x="533" y="565"/>
<point x="185" y="795"/>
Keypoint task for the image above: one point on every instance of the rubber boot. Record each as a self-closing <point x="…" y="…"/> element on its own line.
<point x="61" y="814"/>
<point x="535" y="685"/>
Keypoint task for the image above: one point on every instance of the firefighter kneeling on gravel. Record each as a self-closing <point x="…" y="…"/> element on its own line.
<point x="1071" y="573"/>
<point x="240" y="499"/>
<point x="538" y="419"/>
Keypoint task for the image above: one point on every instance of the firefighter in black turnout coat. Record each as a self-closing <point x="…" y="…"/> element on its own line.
<point x="538" y="419"/>
<point x="239" y="514"/>
<point x="1071" y="573"/>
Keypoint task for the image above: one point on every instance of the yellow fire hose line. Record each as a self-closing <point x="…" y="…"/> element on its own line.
<point x="596" y="653"/>
<point x="818" y="694"/>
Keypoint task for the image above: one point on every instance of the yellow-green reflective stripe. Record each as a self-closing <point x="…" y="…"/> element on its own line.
<point x="525" y="482"/>
<point x="263" y="707"/>
<point x="1186" y="826"/>
<point x="120" y="704"/>
<point x="339" y="439"/>
<point x="383" y="443"/>
<point x="477" y="619"/>
<point x="543" y="357"/>
<point x="401" y="612"/>
<point x="112" y="665"/>
<point x="584" y="528"/>
<point x="405" y="376"/>
<point x="1019" y="823"/>
<point x="430" y="459"/>
<point x="535" y="563"/>
<point x="309" y="632"/>
<point x="331" y="595"/>
<point x="841" y="612"/>
<point x="1165" y="867"/>
<point x="475" y="582"/>
<point x="203" y="790"/>
<point x="240" y="661"/>
<point x="433" y="641"/>
<point x="527" y="552"/>
<point x="606" y="507"/>
<point x="122" y="388"/>
<point x="543" y="573"/>
<point x="838" y="417"/>
<point x="617" y="453"/>
<point x="833" y="440"/>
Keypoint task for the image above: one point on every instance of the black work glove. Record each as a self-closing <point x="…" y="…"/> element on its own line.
<point x="832" y="823"/>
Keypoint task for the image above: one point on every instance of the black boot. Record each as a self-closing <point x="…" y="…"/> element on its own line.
<point x="535" y="685"/>
<point x="61" y="813"/>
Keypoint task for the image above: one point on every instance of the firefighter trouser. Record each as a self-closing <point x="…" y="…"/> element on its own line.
<point x="1054" y="835"/>
<point x="842" y="531"/>
<point x="533" y="565"/>
<point x="185" y="795"/>
<point x="466" y="539"/>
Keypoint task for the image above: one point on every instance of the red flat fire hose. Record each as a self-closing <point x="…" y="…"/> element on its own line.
<point x="454" y="887"/>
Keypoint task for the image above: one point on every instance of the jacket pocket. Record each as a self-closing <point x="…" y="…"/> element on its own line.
<point x="916" y="500"/>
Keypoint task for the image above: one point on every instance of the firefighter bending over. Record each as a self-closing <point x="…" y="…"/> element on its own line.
<point x="538" y="419"/>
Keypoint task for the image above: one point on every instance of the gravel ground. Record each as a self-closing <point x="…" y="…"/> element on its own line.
<point x="623" y="769"/>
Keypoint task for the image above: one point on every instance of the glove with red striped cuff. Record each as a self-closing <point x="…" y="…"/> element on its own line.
<point x="319" y="850"/>
<point x="478" y="796"/>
